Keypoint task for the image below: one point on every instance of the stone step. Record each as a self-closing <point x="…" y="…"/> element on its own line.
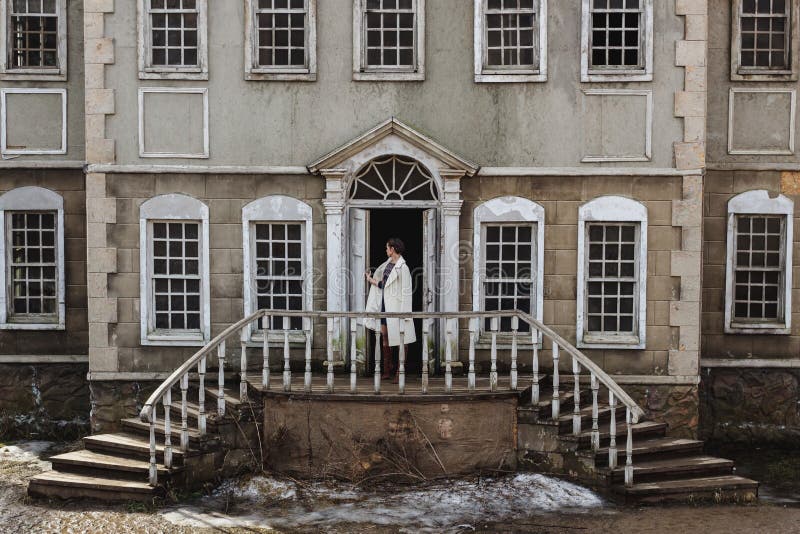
<point x="74" y="485"/>
<point x="672" y="469"/>
<point x="94" y="463"/>
<point x="135" y="425"/>
<point x="647" y="449"/>
<point x="649" y="429"/>
<point x="716" y="489"/>
<point x="603" y="414"/>
<point x="131" y="446"/>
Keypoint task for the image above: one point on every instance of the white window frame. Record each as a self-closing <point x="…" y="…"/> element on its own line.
<point x="759" y="202"/>
<point x="360" y="71"/>
<point x="148" y="71"/>
<point x="618" y="75"/>
<point x="254" y="72"/>
<point x="508" y="210"/>
<point x="612" y="209"/>
<point x="172" y="207"/>
<point x="175" y="90"/>
<point x="32" y="198"/>
<point x="648" y="131"/>
<point x="751" y="74"/>
<point x="4" y="150"/>
<point x="488" y="75"/>
<point x="39" y="74"/>
<point x="789" y="151"/>
<point x="276" y="209"/>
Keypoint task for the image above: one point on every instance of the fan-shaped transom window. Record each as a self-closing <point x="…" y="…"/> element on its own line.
<point x="393" y="178"/>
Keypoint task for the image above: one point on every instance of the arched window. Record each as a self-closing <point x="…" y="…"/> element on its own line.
<point x="758" y="281"/>
<point x="32" y="259"/>
<point x="174" y="271"/>
<point x="612" y="273"/>
<point x="395" y="178"/>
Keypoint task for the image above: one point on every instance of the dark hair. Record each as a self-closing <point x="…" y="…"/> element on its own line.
<point x="397" y="245"/>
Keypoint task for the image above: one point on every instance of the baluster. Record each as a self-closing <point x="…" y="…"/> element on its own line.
<point x="612" y="446"/>
<point x="353" y="353"/>
<point x="595" y="430"/>
<point x="377" y="355"/>
<point x="576" y="406"/>
<point x="448" y="356"/>
<point x="153" y="459"/>
<point x="629" y="449"/>
<point x="493" y="369"/>
<point x="287" y="370"/>
<point x="473" y="333"/>
<point x="184" y="414"/>
<point x="401" y="360"/>
<point x="243" y="373"/>
<point x="514" y="329"/>
<point x="167" y="400"/>
<point x="330" y="354"/>
<point x="556" y="395"/>
<point x="265" y="353"/>
<point x="535" y="365"/>
<point x="201" y="396"/>
<point x="425" y="334"/>
<point x="307" y="375"/>
<point x="221" y="380"/>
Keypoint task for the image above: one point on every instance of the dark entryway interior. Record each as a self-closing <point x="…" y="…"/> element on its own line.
<point x="405" y="224"/>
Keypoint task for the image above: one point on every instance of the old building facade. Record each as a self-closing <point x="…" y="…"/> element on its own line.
<point x="220" y="157"/>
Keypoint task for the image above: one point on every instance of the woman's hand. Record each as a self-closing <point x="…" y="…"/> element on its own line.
<point x="369" y="278"/>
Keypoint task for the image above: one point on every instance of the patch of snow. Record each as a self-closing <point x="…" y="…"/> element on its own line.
<point x="448" y="505"/>
<point x="28" y="452"/>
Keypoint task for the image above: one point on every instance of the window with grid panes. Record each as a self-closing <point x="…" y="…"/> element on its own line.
<point x="176" y="275"/>
<point x="173" y="33"/>
<point x="279" y="270"/>
<point x="764" y="34"/>
<point x="389" y="29"/>
<point x="616" y="34"/>
<point x="33" y="34"/>
<point x="759" y="268"/>
<point x="509" y="272"/>
<point x="281" y="33"/>
<point x="33" y="267"/>
<point x="510" y="37"/>
<point x="611" y="280"/>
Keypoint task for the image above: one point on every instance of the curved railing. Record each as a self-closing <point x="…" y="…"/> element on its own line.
<point x="449" y="320"/>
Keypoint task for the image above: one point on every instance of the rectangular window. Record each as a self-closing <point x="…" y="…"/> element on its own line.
<point x="764" y="34"/>
<point x="389" y="38"/>
<point x="509" y="270"/>
<point x="281" y="33"/>
<point x="611" y="281"/>
<point x="279" y="270"/>
<point x="172" y="40"/>
<point x="33" y="40"/>
<point x="33" y="267"/>
<point x="511" y="34"/>
<point x="759" y="271"/>
<point x="617" y="40"/>
<point x="176" y="278"/>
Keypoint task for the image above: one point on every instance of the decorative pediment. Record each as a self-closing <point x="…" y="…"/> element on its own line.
<point x="393" y="137"/>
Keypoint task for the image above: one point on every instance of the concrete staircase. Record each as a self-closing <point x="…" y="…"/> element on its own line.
<point x="115" y="466"/>
<point x="665" y="469"/>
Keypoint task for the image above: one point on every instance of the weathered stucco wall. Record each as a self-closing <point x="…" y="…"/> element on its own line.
<point x="293" y="123"/>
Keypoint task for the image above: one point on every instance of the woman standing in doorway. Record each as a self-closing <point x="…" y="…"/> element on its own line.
<point x="392" y="293"/>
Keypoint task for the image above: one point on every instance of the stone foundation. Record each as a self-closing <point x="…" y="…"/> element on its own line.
<point x="671" y="404"/>
<point x="43" y="401"/>
<point x="115" y="400"/>
<point x="751" y="406"/>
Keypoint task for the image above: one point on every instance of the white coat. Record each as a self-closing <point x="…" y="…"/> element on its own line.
<point x="396" y="294"/>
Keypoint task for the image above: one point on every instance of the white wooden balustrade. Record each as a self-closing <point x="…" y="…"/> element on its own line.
<point x="446" y="323"/>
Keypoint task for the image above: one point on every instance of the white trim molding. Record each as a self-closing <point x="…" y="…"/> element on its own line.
<point x="41" y="74"/>
<point x="32" y="198"/>
<point x="613" y="209"/>
<point x="505" y="210"/>
<point x="485" y="74"/>
<point x="751" y="363"/>
<point x="361" y="72"/>
<point x="255" y="72"/>
<point x="271" y="209"/>
<point x="174" y="90"/>
<point x="4" y="150"/>
<point x="172" y="207"/>
<point x="760" y="202"/>
<point x="762" y="152"/>
<point x="755" y="74"/>
<point x="648" y="126"/>
<point x="148" y="71"/>
<point x="616" y="74"/>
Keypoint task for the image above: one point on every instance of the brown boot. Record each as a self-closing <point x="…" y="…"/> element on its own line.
<point x="387" y="369"/>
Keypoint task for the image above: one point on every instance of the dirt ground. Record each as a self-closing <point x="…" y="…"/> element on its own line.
<point x="20" y="514"/>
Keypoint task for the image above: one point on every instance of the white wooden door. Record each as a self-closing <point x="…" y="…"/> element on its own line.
<point x="358" y="250"/>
